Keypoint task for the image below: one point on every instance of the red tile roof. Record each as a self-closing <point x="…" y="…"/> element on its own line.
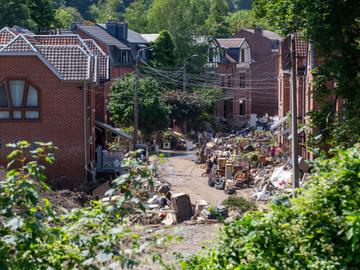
<point x="72" y="57"/>
<point x="5" y="36"/>
<point x="103" y="59"/>
<point x="70" y="60"/>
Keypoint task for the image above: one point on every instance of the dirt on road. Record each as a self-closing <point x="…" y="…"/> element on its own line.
<point x="186" y="177"/>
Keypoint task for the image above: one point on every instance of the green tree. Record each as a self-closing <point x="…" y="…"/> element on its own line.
<point x="136" y="16"/>
<point x="105" y="10"/>
<point x="334" y="31"/>
<point x="164" y="50"/>
<point x="245" y="19"/>
<point x="65" y="16"/>
<point x="176" y="17"/>
<point x="241" y="4"/>
<point x="216" y="22"/>
<point x="34" y="15"/>
<point x="153" y="112"/>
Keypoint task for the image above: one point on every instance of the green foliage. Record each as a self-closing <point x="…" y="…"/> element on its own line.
<point x="239" y="204"/>
<point x="65" y="16"/>
<point x="245" y="19"/>
<point x="153" y="112"/>
<point x="183" y="105"/>
<point x="320" y="229"/>
<point x="105" y="10"/>
<point x="209" y="97"/>
<point x="32" y="14"/>
<point x="216" y="24"/>
<point x="240" y="4"/>
<point x="197" y="106"/>
<point x="333" y="29"/>
<point x="136" y="16"/>
<point x="34" y="236"/>
<point x="164" y="50"/>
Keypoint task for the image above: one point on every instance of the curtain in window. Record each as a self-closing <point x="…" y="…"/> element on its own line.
<point x="4" y="115"/>
<point x="3" y="100"/>
<point x="31" y="114"/>
<point x="17" y="92"/>
<point x="32" y="97"/>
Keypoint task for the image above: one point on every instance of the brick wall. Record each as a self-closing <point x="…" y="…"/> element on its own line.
<point x="264" y="74"/>
<point x="61" y="119"/>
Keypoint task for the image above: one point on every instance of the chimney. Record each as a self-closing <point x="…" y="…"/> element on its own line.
<point x="122" y="30"/>
<point x="111" y="28"/>
<point x="258" y="31"/>
<point x="117" y="29"/>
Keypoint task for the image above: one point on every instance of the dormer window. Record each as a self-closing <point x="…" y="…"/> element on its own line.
<point x="242" y="56"/>
<point x="18" y="100"/>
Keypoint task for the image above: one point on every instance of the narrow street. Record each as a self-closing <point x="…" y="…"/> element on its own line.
<point x="186" y="177"/>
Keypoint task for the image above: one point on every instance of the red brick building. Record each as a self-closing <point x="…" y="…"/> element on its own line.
<point x="122" y="45"/>
<point x="306" y="61"/>
<point x="230" y="60"/>
<point x="264" y="69"/>
<point x="47" y="93"/>
<point x="284" y="84"/>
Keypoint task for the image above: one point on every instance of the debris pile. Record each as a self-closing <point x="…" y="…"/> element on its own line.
<point x="248" y="161"/>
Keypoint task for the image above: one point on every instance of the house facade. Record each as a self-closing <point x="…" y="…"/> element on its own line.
<point x="47" y="93"/>
<point x="230" y="60"/>
<point x="264" y="69"/>
<point x="122" y="45"/>
<point x="306" y="60"/>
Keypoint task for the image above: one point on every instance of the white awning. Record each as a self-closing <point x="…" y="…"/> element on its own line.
<point x="278" y="123"/>
<point x="116" y="131"/>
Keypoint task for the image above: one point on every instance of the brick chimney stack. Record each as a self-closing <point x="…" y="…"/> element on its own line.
<point x="258" y="31"/>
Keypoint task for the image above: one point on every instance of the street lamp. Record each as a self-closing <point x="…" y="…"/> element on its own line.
<point x="184" y="70"/>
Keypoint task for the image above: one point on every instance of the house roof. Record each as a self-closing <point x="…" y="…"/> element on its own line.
<point x="6" y="35"/>
<point x="99" y="33"/>
<point x="150" y="37"/>
<point x="102" y="58"/>
<point x="266" y="33"/>
<point x="230" y="42"/>
<point x="68" y="56"/>
<point x="133" y="37"/>
<point x="70" y="60"/>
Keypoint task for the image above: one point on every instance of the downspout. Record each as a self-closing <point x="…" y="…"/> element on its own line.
<point x="85" y="132"/>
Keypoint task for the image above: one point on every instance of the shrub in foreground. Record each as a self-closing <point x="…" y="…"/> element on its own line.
<point x="34" y="236"/>
<point x="320" y="229"/>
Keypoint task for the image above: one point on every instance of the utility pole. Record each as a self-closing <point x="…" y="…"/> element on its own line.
<point x="294" y="129"/>
<point x="184" y="71"/>
<point x="136" y="97"/>
<point x="136" y="104"/>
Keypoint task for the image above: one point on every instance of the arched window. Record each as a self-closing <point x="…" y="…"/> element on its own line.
<point x="18" y="100"/>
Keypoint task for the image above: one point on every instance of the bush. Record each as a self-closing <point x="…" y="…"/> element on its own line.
<point x="34" y="236"/>
<point x="239" y="204"/>
<point x="320" y="229"/>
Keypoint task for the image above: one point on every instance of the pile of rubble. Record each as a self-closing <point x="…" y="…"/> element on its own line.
<point x="248" y="161"/>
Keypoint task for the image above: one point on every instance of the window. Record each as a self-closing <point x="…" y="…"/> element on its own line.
<point x="228" y="81"/>
<point x="242" y="107"/>
<point x="242" y="59"/>
<point x="242" y="82"/>
<point x="18" y="100"/>
<point x="222" y="80"/>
